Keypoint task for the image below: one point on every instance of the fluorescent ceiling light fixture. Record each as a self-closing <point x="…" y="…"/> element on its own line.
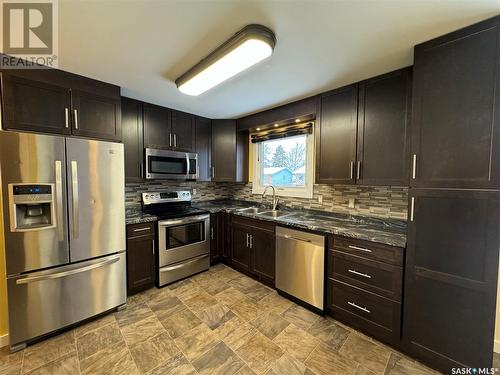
<point x="247" y="47"/>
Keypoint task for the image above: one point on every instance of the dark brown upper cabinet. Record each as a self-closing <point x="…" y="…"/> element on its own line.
<point x="96" y="116"/>
<point x="183" y="131"/>
<point x="157" y="127"/>
<point x="204" y="147"/>
<point x="336" y="128"/>
<point x="229" y="152"/>
<point x="455" y="122"/>
<point x="451" y="277"/>
<point x="53" y="101"/>
<point x="35" y="106"/>
<point x="383" y="129"/>
<point x="165" y="128"/>
<point x="132" y="134"/>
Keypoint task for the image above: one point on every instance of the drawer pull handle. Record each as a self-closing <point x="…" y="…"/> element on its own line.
<point x="142" y="229"/>
<point x="360" y="248"/>
<point x="360" y="274"/>
<point x="359" y="307"/>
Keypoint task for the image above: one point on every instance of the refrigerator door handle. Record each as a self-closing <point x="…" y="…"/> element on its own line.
<point x="74" y="184"/>
<point x="58" y="275"/>
<point x="59" y="200"/>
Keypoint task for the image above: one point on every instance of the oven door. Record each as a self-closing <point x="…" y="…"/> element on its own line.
<point x="170" y="165"/>
<point x="182" y="239"/>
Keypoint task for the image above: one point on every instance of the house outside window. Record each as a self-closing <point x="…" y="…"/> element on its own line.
<point x="287" y="164"/>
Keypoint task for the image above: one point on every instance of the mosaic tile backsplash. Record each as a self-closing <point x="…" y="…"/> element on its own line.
<point x="377" y="201"/>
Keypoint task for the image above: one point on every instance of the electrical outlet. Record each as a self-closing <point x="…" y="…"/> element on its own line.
<point x="194" y="191"/>
<point x="320" y="199"/>
<point x="352" y="202"/>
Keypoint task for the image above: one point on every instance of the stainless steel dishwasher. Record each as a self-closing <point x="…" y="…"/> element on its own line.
<point x="300" y="265"/>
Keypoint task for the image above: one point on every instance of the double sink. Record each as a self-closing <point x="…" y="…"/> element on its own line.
<point x="265" y="212"/>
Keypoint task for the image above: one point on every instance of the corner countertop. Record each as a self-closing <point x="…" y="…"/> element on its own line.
<point x="134" y="215"/>
<point x="386" y="231"/>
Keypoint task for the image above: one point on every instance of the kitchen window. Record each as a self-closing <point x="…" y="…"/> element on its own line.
<point x="284" y="159"/>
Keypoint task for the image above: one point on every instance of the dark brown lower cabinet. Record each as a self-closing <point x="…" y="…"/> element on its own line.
<point x="217" y="237"/>
<point x="140" y="257"/>
<point x="240" y="254"/>
<point x="364" y="287"/>
<point x="451" y="277"/>
<point x="264" y="254"/>
<point x="253" y="248"/>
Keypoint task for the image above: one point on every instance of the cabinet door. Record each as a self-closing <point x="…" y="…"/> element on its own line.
<point x="264" y="256"/>
<point x="140" y="263"/>
<point x="204" y="148"/>
<point x="225" y="237"/>
<point x="157" y="127"/>
<point x="96" y="116"/>
<point x="455" y="122"/>
<point x="451" y="277"/>
<point x="336" y="136"/>
<point x="35" y="106"/>
<point x="223" y="150"/>
<point x="215" y="251"/>
<point x="132" y="139"/>
<point x="383" y="129"/>
<point x="240" y="238"/>
<point x="183" y="131"/>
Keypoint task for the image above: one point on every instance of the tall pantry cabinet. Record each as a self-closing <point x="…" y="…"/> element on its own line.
<point x="454" y="205"/>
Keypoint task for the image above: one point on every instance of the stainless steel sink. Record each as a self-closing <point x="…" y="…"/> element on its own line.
<point x="274" y="213"/>
<point x="253" y="210"/>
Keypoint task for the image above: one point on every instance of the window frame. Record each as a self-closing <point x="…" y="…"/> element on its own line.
<point x="305" y="191"/>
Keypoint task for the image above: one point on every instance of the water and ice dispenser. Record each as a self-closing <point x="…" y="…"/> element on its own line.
<point x="32" y="207"/>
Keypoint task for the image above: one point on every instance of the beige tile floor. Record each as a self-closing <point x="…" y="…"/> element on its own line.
<point x="217" y="322"/>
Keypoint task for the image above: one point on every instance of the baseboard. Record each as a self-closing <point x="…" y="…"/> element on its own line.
<point x="4" y="341"/>
<point x="496" y="347"/>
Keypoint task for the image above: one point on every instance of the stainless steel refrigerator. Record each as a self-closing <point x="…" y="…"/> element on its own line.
<point x="64" y="225"/>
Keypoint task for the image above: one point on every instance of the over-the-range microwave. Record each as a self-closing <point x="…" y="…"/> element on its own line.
<point x="170" y="165"/>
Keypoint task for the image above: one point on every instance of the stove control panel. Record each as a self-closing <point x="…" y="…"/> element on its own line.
<point x="155" y="197"/>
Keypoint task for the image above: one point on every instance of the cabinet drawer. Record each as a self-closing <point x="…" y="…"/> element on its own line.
<point x="381" y="278"/>
<point x="365" y="311"/>
<point x="369" y="250"/>
<point x="141" y="229"/>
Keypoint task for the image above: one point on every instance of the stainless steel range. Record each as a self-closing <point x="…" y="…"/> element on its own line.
<point x="183" y="235"/>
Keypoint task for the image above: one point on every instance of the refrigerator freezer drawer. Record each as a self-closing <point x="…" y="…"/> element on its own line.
<point x="42" y="302"/>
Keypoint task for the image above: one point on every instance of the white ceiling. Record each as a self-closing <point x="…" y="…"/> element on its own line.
<point x="143" y="46"/>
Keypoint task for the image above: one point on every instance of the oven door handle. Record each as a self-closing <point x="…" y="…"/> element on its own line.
<point x="184" y="220"/>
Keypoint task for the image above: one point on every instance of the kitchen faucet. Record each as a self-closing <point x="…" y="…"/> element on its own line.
<point x="275" y="200"/>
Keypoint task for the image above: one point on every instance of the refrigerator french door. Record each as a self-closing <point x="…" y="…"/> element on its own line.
<point x="63" y="217"/>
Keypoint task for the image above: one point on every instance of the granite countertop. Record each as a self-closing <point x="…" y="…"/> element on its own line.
<point x="385" y="231"/>
<point x="134" y="215"/>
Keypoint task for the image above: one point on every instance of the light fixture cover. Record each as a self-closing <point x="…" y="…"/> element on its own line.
<point x="247" y="47"/>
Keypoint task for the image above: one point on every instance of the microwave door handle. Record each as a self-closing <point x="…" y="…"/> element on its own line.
<point x="187" y="165"/>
